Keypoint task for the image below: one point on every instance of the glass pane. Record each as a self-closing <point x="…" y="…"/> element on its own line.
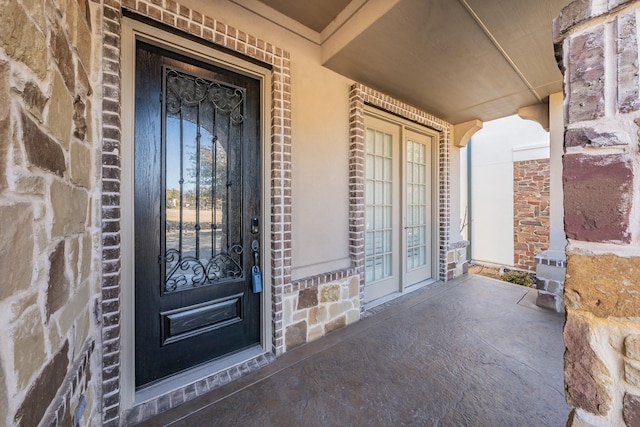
<point x="417" y="193"/>
<point x="387" y="170"/>
<point x="387" y="146"/>
<point x="369" y="167"/>
<point x="387" y="217"/>
<point x="378" y="221"/>
<point x="416" y="206"/>
<point x="387" y="193"/>
<point x="368" y="270"/>
<point x="387" y="241"/>
<point x="379" y="196"/>
<point x="369" y="224"/>
<point x="369" y="191"/>
<point x="196" y="172"/>
<point x="378" y="201"/>
<point x="378" y="268"/>
<point x="368" y="244"/>
<point x="370" y="141"/>
<point x="378" y="170"/>
<point x="387" y="266"/>
<point x="379" y="143"/>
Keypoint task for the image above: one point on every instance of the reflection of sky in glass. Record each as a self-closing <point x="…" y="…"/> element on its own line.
<point x="189" y="130"/>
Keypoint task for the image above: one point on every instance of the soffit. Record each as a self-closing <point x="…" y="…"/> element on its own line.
<point x="457" y="59"/>
<point x="313" y="14"/>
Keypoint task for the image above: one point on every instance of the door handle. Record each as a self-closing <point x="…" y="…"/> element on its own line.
<point x="255" y="247"/>
<point x="256" y="274"/>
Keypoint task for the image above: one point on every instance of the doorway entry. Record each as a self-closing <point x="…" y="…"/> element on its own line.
<point x="197" y="213"/>
<point x="399" y="205"/>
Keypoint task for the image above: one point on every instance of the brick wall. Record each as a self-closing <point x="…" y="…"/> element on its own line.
<point x="210" y="30"/>
<point x="359" y="96"/>
<point x="597" y="44"/>
<point x="531" y="180"/>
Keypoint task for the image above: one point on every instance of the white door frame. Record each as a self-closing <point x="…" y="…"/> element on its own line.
<point x="422" y="136"/>
<point x="405" y="128"/>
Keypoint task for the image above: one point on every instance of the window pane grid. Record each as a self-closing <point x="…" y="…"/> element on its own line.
<point x="416" y="168"/>
<point x="378" y="201"/>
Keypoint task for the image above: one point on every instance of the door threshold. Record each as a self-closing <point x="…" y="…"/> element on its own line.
<point x="385" y="299"/>
<point x="196" y="374"/>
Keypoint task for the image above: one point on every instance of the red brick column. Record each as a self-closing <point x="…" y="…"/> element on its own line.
<point x="531" y="180"/>
<point x="599" y="46"/>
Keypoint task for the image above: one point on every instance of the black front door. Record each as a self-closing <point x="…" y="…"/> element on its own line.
<point x="197" y="204"/>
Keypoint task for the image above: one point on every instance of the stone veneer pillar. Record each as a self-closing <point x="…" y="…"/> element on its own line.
<point x="598" y="42"/>
<point x="49" y="226"/>
<point x="530" y="211"/>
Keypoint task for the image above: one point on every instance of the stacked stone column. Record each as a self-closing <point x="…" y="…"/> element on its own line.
<point x="597" y="43"/>
<point x="49" y="223"/>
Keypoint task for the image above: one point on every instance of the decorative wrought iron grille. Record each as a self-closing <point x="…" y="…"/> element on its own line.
<point x="202" y="131"/>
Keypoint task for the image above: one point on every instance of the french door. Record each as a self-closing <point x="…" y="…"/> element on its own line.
<point x="196" y="207"/>
<point x="399" y="180"/>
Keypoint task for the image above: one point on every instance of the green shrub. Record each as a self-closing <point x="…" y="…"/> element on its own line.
<point x="519" y="278"/>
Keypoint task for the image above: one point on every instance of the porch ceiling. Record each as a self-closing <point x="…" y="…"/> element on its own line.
<point x="458" y="59"/>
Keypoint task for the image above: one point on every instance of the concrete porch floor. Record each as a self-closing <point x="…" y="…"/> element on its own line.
<point x="470" y="352"/>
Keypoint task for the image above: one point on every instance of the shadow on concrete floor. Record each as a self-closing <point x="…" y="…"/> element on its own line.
<point x="470" y="352"/>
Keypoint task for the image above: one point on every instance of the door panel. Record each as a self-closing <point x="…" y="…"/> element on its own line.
<point x="197" y="189"/>
<point x="382" y="213"/>
<point x="417" y="245"/>
<point x="398" y="207"/>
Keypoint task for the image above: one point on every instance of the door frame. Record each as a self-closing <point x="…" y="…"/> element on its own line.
<point x="406" y="126"/>
<point x="406" y="132"/>
<point x="132" y="31"/>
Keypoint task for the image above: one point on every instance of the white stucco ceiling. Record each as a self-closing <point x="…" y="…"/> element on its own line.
<point x="458" y="59"/>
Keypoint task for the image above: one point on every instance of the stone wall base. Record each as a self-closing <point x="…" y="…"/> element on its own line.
<point x="550" y="273"/>
<point x="457" y="259"/>
<point x="311" y="313"/>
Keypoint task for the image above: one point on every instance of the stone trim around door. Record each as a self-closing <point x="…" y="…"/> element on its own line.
<point x="192" y="24"/>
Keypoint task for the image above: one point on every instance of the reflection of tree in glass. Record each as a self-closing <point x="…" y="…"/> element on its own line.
<point x="173" y="198"/>
<point x="213" y="175"/>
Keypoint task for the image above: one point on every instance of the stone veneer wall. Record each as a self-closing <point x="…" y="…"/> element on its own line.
<point x="313" y="312"/>
<point x="531" y="182"/>
<point x="598" y="43"/>
<point x="48" y="213"/>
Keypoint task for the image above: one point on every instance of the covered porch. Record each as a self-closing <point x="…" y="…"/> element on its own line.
<point x="471" y="351"/>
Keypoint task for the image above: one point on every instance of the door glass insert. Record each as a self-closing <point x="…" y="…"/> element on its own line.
<point x="378" y="227"/>
<point x="202" y="242"/>
<point x="416" y="207"/>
